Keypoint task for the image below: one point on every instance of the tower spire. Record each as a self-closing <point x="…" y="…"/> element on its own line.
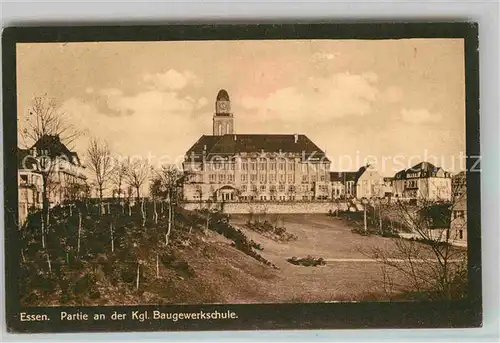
<point x="223" y="118"/>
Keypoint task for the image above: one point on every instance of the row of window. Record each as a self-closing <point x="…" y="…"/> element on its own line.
<point x="271" y="188"/>
<point x="261" y="178"/>
<point x="272" y="166"/>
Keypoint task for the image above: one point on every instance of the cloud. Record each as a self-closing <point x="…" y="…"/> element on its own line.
<point x="172" y="80"/>
<point x="420" y="116"/>
<point x="202" y="102"/>
<point x="392" y="94"/>
<point x="322" y="56"/>
<point x="323" y="98"/>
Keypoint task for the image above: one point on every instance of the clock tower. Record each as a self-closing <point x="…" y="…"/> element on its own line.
<point x="223" y="118"/>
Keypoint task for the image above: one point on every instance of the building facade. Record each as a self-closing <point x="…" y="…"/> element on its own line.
<point x="29" y="183"/>
<point x="369" y="183"/>
<point x="423" y="181"/>
<point x="343" y="185"/>
<point x="226" y="167"/>
<point x="458" y="223"/>
<point x="48" y="165"/>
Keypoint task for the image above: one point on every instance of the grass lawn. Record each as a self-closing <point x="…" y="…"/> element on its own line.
<point x="329" y="238"/>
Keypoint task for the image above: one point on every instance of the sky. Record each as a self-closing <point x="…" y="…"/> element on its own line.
<point x="391" y="103"/>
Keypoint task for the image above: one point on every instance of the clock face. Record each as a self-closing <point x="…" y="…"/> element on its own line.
<point x="223" y="106"/>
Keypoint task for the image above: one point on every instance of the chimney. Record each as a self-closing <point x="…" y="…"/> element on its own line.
<point x="296" y="137"/>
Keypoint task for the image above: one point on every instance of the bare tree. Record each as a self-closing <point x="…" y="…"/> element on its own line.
<point x="167" y="184"/>
<point x="100" y="163"/>
<point x="46" y="121"/>
<point x="118" y="175"/>
<point x="137" y="172"/>
<point x="45" y="118"/>
<point x="424" y="261"/>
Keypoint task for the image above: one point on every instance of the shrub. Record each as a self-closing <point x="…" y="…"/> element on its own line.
<point x="308" y="261"/>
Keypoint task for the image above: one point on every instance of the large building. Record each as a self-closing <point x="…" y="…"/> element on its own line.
<point x="229" y="167"/>
<point x="423" y="181"/>
<point x="64" y="177"/>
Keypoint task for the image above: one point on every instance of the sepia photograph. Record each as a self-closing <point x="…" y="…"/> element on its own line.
<point x="263" y="171"/>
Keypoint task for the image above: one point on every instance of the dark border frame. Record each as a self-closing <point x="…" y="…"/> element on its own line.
<point x="467" y="313"/>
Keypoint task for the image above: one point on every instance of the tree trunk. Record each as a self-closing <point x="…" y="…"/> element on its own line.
<point x="138" y="194"/>
<point x="79" y="233"/>
<point x="169" y="219"/>
<point x="42" y="227"/>
<point x="48" y="262"/>
<point x="364" y="220"/>
<point x="157" y="267"/>
<point x="143" y="213"/>
<point x="112" y="236"/>
<point x="138" y="273"/>
<point x="155" y="212"/>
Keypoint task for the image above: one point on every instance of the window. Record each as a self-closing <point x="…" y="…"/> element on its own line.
<point x="272" y="178"/>
<point x="282" y="178"/>
<point x="244" y="166"/>
<point x="272" y="166"/>
<point x="313" y="178"/>
<point x="282" y="188"/>
<point x="231" y="166"/>
<point x="24" y="178"/>
<point x="272" y="188"/>
<point x="244" y="178"/>
<point x="304" y="178"/>
<point x="461" y="234"/>
<point x="291" y="188"/>
<point x="262" y="166"/>
<point x="222" y="178"/>
<point x="253" y="178"/>
<point x="262" y="178"/>
<point x="291" y="166"/>
<point x="290" y="178"/>
<point x="253" y="188"/>
<point x="253" y="166"/>
<point x="230" y="178"/>
<point x="213" y="178"/>
<point x="244" y="188"/>
<point x="263" y="188"/>
<point x="322" y="177"/>
<point x="282" y="166"/>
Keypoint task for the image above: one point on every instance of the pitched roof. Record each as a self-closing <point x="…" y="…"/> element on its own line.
<point x="54" y="147"/>
<point x="342" y="176"/>
<point x="423" y="169"/>
<point x="231" y="144"/>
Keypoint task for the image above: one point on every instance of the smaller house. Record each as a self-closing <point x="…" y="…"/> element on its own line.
<point x="369" y="183"/>
<point x="343" y="184"/>
<point x="423" y="181"/>
<point x="459" y="208"/>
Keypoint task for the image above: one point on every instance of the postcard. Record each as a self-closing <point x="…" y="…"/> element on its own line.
<point x="242" y="177"/>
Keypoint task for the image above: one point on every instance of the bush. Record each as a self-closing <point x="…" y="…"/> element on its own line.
<point x="308" y="261"/>
<point x="271" y="231"/>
